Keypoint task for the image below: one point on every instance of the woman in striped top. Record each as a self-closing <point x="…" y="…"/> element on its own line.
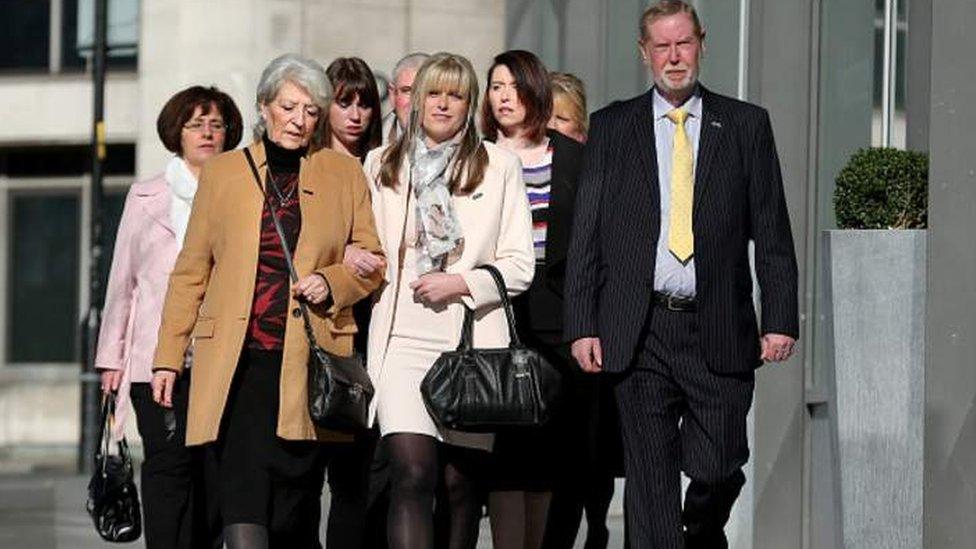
<point x="517" y="108"/>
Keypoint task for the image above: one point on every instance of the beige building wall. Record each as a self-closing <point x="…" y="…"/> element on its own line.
<point x="228" y="42"/>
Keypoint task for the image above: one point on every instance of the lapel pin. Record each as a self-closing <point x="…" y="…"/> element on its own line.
<point x="306" y="191"/>
<point x="716" y="123"/>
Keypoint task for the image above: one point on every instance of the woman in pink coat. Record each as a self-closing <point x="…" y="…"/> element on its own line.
<point x="195" y="124"/>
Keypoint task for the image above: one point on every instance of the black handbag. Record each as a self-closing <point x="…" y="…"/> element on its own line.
<point x="339" y="389"/>
<point x="489" y="390"/>
<point x="113" y="501"/>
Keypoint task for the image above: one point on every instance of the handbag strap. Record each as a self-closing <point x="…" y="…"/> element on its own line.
<point x="284" y="246"/>
<point x="108" y="416"/>
<point x="467" y="330"/>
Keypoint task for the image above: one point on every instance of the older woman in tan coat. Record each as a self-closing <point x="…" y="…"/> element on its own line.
<point x="230" y="293"/>
<point x="445" y="203"/>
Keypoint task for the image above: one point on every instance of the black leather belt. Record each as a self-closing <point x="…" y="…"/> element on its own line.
<point x="674" y="303"/>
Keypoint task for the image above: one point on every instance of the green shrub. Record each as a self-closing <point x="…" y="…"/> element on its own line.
<point x="883" y="188"/>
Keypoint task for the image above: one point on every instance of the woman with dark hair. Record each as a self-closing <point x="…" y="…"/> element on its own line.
<point x="516" y="110"/>
<point x="445" y="203"/>
<point x="354" y="125"/>
<point x="232" y="293"/>
<point x="195" y="124"/>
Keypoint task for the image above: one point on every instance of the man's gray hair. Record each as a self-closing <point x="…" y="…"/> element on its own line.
<point x="301" y="71"/>
<point x="409" y="61"/>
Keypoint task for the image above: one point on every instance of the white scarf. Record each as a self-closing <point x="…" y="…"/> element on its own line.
<point x="438" y="229"/>
<point x="182" y="186"/>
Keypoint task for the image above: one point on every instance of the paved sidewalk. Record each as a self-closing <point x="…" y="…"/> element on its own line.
<point x="47" y="511"/>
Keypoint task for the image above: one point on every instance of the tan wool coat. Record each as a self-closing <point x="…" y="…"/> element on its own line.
<point x="211" y="288"/>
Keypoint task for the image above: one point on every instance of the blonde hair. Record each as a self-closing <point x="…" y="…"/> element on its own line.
<point x="442" y="72"/>
<point x="569" y="87"/>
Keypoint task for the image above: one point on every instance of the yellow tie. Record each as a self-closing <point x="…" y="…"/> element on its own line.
<point x="681" y="240"/>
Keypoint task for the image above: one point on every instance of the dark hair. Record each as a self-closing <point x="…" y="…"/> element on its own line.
<point x="179" y="110"/>
<point x="351" y="76"/>
<point x="667" y="8"/>
<point x="533" y="89"/>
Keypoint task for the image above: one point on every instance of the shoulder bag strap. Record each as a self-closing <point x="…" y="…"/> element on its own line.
<point x="506" y="303"/>
<point x="284" y="247"/>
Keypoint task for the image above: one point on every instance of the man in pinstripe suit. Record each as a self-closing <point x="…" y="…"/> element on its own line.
<point x="674" y="185"/>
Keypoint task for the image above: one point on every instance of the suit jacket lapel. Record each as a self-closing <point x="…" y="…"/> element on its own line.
<point x="647" y="144"/>
<point x="711" y="131"/>
<point x="648" y="184"/>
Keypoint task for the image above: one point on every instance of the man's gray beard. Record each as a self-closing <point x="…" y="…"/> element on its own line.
<point x="662" y="84"/>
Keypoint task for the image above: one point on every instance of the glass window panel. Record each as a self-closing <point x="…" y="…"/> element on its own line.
<point x="77" y="28"/>
<point x="25" y="31"/>
<point x="65" y="160"/>
<point x="878" y="76"/>
<point x="42" y="296"/>
<point x="899" y="130"/>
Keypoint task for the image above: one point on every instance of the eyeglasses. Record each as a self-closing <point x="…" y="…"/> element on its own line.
<point x="198" y="126"/>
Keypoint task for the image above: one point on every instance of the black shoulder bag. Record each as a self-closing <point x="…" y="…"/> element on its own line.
<point x="113" y="501"/>
<point x="339" y="389"/>
<point x="489" y="390"/>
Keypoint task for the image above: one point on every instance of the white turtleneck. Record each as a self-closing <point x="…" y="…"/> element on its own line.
<point x="182" y="186"/>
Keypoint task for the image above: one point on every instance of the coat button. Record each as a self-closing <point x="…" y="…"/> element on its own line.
<point x="296" y="312"/>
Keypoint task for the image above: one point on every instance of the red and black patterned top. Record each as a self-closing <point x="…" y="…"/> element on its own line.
<point x="269" y="310"/>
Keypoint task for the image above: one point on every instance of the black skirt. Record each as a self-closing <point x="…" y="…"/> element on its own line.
<point x="258" y="477"/>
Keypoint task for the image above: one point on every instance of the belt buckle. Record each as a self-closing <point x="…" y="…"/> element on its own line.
<point x="669" y="304"/>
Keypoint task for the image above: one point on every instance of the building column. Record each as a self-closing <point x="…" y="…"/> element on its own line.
<point x="950" y="374"/>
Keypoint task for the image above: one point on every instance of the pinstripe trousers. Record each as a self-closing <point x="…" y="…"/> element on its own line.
<point x="676" y="415"/>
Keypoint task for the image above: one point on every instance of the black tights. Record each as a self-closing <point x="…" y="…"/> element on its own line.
<point x="417" y="463"/>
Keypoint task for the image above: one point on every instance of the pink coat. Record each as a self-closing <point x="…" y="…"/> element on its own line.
<point x="145" y="252"/>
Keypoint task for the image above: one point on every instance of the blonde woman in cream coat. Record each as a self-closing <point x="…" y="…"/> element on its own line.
<point x="419" y="311"/>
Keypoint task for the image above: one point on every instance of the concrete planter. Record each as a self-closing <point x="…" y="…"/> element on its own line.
<point x="875" y="288"/>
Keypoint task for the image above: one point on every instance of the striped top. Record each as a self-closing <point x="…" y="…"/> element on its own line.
<point x="537" y="184"/>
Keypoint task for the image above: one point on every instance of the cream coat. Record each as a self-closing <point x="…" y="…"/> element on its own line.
<point x="497" y="226"/>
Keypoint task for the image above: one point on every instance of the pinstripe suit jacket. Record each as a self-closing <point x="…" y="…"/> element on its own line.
<point x="738" y="197"/>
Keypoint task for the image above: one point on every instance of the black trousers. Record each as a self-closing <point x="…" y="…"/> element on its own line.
<point x="175" y="511"/>
<point x="676" y="415"/>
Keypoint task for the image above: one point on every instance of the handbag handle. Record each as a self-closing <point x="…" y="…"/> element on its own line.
<point x="467" y="330"/>
<point x="108" y="415"/>
<point x="284" y="247"/>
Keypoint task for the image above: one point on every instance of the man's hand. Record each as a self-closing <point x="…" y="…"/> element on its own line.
<point x="439" y="288"/>
<point x="162" y="387"/>
<point x="776" y="347"/>
<point x="589" y="355"/>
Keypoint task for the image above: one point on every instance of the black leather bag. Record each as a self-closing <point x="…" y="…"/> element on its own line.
<point x="339" y="389"/>
<point x="490" y="390"/>
<point x="113" y="501"/>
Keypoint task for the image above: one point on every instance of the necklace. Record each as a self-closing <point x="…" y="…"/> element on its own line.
<point x="282" y="200"/>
